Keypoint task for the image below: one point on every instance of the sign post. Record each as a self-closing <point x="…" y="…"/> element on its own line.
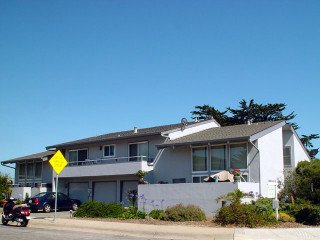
<point x="58" y="163"/>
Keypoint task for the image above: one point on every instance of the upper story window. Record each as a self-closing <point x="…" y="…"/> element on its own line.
<point x="22" y="171"/>
<point x="287" y="156"/>
<point x="79" y="155"/>
<point x="218" y="157"/>
<point x="32" y="170"/>
<point x="109" y="151"/>
<point x="238" y="156"/>
<point x="138" y="151"/>
<point x="199" y="159"/>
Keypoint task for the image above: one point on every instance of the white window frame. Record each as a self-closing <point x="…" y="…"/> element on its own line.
<point x="207" y="164"/>
<point x="147" y="142"/>
<point x="76" y="150"/>
<point x="114" y="150"/>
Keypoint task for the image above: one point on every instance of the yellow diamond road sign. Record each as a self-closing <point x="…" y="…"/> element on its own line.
<point x="58" y="162"/>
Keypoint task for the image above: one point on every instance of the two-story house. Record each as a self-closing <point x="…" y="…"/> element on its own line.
<point x="103" y="168"/>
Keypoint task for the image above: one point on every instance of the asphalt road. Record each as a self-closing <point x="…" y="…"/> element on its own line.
<point x="12" y="232"/>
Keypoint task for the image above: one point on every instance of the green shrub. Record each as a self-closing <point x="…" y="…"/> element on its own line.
<point x="114" y="210"/>
<point x="307" y="214"/>
<point x="264" y="205"/>
<point x="284" y="217"/>
<point x="99" y="210"/>
<point x="132" y="213"/>
<point x="180" y="213"/>
<point x="156" y="214"/>
<point x="244" y="215"/>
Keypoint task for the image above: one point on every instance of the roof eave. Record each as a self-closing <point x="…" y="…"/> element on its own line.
<point x="266" y="131"/>
<point x="192" y="143"/>
<point x="58" y="146"/>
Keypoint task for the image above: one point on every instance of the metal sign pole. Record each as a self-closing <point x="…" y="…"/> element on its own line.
<point x="55" y="201"/>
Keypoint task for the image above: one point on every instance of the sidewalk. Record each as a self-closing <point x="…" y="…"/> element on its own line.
<point x="176" y="231"/>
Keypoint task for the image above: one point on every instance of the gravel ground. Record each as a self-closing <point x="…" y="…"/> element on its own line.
<point x="208" y="223"/>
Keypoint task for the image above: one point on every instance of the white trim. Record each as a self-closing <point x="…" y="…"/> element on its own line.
<point x="191" y="125"/>
<point x="114" y="150"/>
<point x="194" y="128"/>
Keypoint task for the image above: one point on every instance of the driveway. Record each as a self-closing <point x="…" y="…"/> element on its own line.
<point x="43" y="215"/>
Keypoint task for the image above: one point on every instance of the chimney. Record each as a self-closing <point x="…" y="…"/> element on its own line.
<point x="135" y="130"/>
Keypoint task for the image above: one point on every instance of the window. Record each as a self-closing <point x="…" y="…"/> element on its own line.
<point x="287" y="156"/>
<point x="22" y="171"/>
<point x="78" y="155"/>
<point x="179" y="180"/>
<point x="30" y="171"/>
<point x="38" y="170"/>
<point x="218" y="158"/>
<point x="198" y="179"/>
<point x="108" y="151"/>
<point x="199" y="159"/>
<point x="238" y="156"/>
<point x="138" y="149"/>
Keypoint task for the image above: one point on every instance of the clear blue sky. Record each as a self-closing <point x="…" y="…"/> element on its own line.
<point x="74" y="69"/>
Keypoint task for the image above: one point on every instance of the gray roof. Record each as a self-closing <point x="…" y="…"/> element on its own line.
<point x="120" y="135"/>
<point x="242" y="132"/>
<point x="36" y="156"/>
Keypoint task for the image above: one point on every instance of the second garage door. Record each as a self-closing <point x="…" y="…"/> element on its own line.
<point x="105" y="191"/>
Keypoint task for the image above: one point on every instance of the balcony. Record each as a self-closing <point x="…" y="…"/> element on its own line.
<point x="107" y="167"/>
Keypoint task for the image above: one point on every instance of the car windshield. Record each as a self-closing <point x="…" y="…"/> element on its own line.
<point x="40" y="194"/>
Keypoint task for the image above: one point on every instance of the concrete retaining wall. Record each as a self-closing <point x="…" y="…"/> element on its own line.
<point x="204" y="195"/>
<point x="20" y="192"/>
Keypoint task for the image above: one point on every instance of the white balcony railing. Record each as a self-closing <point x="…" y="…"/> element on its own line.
<point x="107" y="167"/>
<point x="112" y="160"/>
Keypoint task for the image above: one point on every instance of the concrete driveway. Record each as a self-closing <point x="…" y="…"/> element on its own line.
<point x="43" y="215"/>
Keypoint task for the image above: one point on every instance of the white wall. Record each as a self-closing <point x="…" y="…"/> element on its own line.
<point x="299" y="153"/>
<point x="271" y="159"/>
<point x="204" y="195"/>
<point x="20" y="192"/>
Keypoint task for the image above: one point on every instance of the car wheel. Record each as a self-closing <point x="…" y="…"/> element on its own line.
<point x="47" y="208"/>
<point x="75" y="206"/>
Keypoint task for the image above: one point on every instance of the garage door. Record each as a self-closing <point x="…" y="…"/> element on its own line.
<point x="105" y="191"/>
<point x="79" y="191"/>
<point x="126" y="187"/>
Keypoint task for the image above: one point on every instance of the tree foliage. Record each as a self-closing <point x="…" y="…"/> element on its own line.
<point x="5" y="185"/>
<point x="254" y="112"/>
<point x="304" y="182"/>
<point x="247" y="111"/>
